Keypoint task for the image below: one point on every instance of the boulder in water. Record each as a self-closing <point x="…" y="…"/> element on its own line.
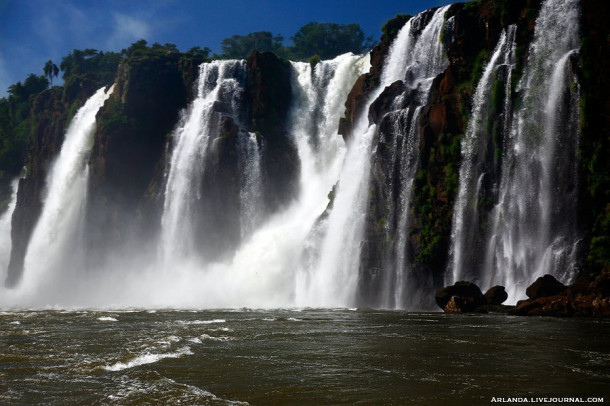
<point x="545" y="286"/>
<point x="496" y="295"/>
<point x="460" y="297"/>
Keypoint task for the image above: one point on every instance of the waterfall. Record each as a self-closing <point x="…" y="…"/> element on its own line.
<point x="415" y="60"/>
<point x="5" y="229"/>
<point x="395" y="293"/>
<point x="425" y="60"/>
<point x="263" y="271"/>
<point x="343" y="233"/>
<point x="465" y="226"/>
<point x="533" y="223"/>
<point x="250" y="196"/>
<point x="319" y="96"/>
<point x="54" y="246"/>
<point x="218" y="90"/>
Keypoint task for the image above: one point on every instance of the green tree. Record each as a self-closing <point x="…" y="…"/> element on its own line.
<point x="50" y="70"/>
<point x="328" y="40"/>
<point x="198" y="51"/>
<point x="240" y="46"/>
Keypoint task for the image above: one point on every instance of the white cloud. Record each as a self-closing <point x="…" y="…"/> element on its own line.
<point x="126" y="30"/>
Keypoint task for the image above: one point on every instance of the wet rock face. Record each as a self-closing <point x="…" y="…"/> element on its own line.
<point x="127" y="156"/>
<point x="267" y="102"/>
<point x="356" y="99"/>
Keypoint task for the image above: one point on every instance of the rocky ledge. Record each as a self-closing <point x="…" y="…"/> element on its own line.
<point x="546" y="297"/>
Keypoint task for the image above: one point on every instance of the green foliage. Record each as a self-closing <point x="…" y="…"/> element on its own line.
<point x="90" y="61"/>
<point x="598" y="257"/>
<point x="14" y="124"/>
<point x="115" y="117"/>
<point x="314" y="60"/>
<point x="50" y="70"/>
<point x="240" y="46"/>
<point x="200" y="52"/>
<point x="328" y="40"/>
<point x="391" y="27"/>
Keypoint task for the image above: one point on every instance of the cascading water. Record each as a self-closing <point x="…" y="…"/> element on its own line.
<point x="320" y="93"/>
<point x="533" y="223"/>
<point x="308" y="252"/>
<point x="5" y="230"/>
<point x="250" y="196"/>
<point x="465" y="226"/>
<point x="425" y="61"/>
<point x="53" y="251"/>
<point x="415" y="60"/>
<point x="219" y="86"/>
<point x="258" y="274"/>
<point x="405" y="157"/>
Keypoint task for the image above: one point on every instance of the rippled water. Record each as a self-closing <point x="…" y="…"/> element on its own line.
<point x="295" y="357"/>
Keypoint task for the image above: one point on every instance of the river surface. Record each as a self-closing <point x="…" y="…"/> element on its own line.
<point x="261" y="357"/>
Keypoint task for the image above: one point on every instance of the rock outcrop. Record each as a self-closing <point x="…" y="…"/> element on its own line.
<point x="461" y="297"/>
<point x="496" y="295"/>
<point x="547" y="297"/>
<point x="545" y="286"/>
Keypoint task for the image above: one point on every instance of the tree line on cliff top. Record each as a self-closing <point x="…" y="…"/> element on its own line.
<point x="313" y="41"/>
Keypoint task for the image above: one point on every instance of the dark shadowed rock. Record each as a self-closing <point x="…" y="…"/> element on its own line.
<point x="470" y="297"/>
<point x="557" y="305"/>
<point x="496" y="295"/>
<point x="544" y="286"/>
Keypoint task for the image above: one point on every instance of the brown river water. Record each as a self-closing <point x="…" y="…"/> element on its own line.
<point x="289" y="356"/>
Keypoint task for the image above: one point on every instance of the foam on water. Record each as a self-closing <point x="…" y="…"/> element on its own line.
<point x="148" y="358"/>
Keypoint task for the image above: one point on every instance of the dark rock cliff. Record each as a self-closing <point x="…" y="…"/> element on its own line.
<point x="594" y="199"/>
<point x="269" y="95"/>
<point x="126" y="161"/>
<point x="132" y="144"/>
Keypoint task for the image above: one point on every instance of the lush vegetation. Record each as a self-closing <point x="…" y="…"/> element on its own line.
<point x="312" y="41"/>
<point x="14" y="124"/>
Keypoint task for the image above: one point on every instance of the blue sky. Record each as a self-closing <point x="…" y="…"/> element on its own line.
<point x="34" y="31"/>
